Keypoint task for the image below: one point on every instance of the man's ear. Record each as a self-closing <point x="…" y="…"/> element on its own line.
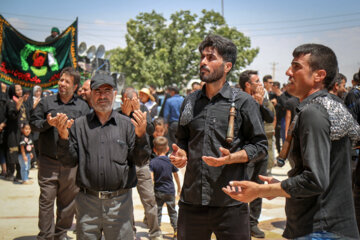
<point x="227" y="67"/>
<point x="247" y="86"/>
<point x="320" y="75"/>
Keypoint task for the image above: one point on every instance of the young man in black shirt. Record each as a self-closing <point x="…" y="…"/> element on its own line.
<point x="318" y="192"/>
<point x="211" y="160"/>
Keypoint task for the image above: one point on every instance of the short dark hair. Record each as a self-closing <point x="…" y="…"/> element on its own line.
<point x="245" y="77"/>
<point x="225" y="47"/>
<point x="266" y="78"/>
<point x="173" y="87"/>
<point x="160" y="144"/>
<point x="195" y="83"/>
<point x="342" y="76"/>
<point x="356" y="78"/>
<point x="277" y="84"/>
<point x="159" y="121"/>
<point x="321" y="57"/>
<point x="72" y="72"/>
<point x="337" y="80"/>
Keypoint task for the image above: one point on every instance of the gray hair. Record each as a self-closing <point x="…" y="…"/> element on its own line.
<point x="36" y="88"/>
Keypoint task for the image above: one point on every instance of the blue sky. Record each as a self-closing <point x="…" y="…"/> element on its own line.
<point x="276" y="27"/>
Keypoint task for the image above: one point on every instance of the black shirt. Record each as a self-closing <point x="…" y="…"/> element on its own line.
<point x="105" y="154"/>
<point x="48" y="134"/>
<point x="206" y="132"/>
<point x="320" y="182"/>
<point x="291" y="104"/>
<point x="352" y="101"/>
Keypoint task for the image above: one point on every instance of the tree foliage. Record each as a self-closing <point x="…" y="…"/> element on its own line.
<point x="163" y="52"/>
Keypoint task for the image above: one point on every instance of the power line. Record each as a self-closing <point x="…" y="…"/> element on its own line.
<point x="307" y="25"/>
<point x="302" y="32"/>
<point x="238" y="24"/>
<point x="64" y="20"/>
<point x="298" y="20"/>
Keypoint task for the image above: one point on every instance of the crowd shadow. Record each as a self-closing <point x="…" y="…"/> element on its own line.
<point x="279" y="224"/>
<point x="26" y="238"/>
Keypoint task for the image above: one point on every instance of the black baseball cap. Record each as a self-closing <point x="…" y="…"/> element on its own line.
<point x="100" y="79"/>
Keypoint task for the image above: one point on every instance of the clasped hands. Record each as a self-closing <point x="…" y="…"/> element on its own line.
<point x="62" y="124"/>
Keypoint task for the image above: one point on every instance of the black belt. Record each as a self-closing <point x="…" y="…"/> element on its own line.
<point x="103" y="194"/>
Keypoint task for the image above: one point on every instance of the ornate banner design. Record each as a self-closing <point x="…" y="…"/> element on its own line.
<point x="29" y="63"/>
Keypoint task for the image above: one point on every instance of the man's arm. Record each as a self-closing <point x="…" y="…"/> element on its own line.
<point x="314" y="128"/>
<point x="252" y="130"/>
<point x="247" y="191"/>
<point x="67" y="146"/>
<point x="38" y="119"/>
<point x="177" y="180"/>
<point x="139" y="147"/>
<point x="266" y="113"/>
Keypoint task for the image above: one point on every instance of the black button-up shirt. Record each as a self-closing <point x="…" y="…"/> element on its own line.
<point x="75" y="108"/>
<point x="203" y="136"/>
<point x="105" y="154"/>
<point x="320" y="182"/>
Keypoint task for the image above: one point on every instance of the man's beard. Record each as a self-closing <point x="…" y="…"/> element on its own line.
<point x="213" y="77"/>
<point x="102" y="108"/>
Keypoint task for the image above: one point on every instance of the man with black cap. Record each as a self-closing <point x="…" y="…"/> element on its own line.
<point x="105" y="146"/>
<point x="56" y="181"/>
<point x="54" y="33"/>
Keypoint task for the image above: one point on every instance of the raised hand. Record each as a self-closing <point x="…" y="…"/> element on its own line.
<point x="51" y="120"/>
<point x="243" y="191"/>
<point x="139" y="122"/>
<point x="178" y="157"/>
<point x="19" y="101"/>
<point x="216" y="162"/>
<point x="259" y="94"/>
<point x="126" y="107"/>
<point x="135" y="103"/>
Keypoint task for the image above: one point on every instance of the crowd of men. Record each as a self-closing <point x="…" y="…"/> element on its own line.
<point x="90" y="156"/>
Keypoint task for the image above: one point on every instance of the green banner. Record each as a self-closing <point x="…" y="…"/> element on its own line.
<point x="29" y="63"/>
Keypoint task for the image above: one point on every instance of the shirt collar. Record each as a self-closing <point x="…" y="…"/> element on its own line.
<point x="112" y="119"/>
<point x="311" y="97"/>
<point x="58" y="99"/>
<point x="225" y="91"/>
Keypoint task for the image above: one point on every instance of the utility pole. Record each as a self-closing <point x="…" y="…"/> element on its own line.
<point x="273" y="69"/>
<point x="222" y="8"/>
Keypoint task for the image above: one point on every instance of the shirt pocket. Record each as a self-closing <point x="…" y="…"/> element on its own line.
<point x="220" y="122"/>
<point x="119" y="152"/>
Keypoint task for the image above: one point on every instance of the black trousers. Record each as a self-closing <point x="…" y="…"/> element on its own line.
<point x="57" y="185"/>
<point x="227" y="223"/>
<point x="278" y="138"/>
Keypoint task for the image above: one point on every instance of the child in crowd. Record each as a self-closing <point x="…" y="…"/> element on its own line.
<point x="162" y="171"/>
<point x="25" y="156"/>
<point x="160" y="131"/>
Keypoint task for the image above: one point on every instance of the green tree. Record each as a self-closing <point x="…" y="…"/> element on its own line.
<point x="164" y="52"/>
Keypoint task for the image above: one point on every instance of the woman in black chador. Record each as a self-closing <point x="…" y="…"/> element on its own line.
<point x="16" y="112"/>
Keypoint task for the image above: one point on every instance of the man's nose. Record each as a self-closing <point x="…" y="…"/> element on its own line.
<point x="288" y="72"/>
